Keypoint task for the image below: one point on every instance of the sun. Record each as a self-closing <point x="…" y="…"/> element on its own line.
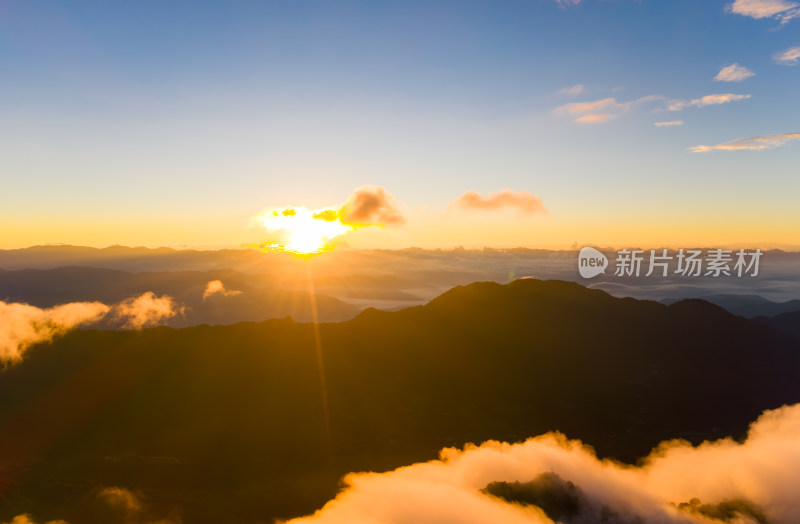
<point x="302" y="231"/>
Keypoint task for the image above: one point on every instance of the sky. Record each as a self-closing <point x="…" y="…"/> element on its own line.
<point x="175" y="123"/>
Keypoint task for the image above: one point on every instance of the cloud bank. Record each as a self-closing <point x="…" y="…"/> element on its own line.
<point x="721" y="481"/>
<point x="215" y="287"/>
<point x="523" y="203"/>
<point x="733" y="73"/>
<point x="755" y="143"/>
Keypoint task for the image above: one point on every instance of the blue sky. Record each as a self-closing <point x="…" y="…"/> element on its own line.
<point x="196" y="115"/>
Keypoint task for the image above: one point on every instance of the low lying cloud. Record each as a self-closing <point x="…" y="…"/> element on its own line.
<point x="721" y="481"/>
<point x="733" y="73"/>
<point x="572" y="90"/>
<point x="670" y="123"/>
<point x="22" y="325"/>
<point x="521" y="202"/>
<point x="788" y="57"/>
<point x="216" y="287"/>
<point x="146" y="310"/>
<point x="755" y="143"/>
<point x="708" y="100"/>
<point x="783" y="10"/>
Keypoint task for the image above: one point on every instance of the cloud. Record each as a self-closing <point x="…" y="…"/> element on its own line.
<point x="146" y="310"/>
<point x="601" y="110"/>
<point x="756" y="143"/>
<point x="670" y="123"/>
<point x="22" y="325"/>
<point x="788" y="57"/>
<point x="708" y="100"/>
<point x="782" y="10"/>
<point x="217" y="287"/>
<point x="572" y="90"/>
<point x="595" y="118"/>
<point x="520" y="201"/>
<point x="371" y="206"/>
<point x="567" y="3"/>
<point x="677" y="483"/>
<point x="733" y="73"/>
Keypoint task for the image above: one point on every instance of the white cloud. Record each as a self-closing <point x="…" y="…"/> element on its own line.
<point x="708" y="100"/>
<point x="572" y="90"/>
<point x="733" y="73"/>
<point x="670" y="123"/>
<point x="761" y="470"/>
<point x="788" y="57"/>
<point x="756" y="143"/>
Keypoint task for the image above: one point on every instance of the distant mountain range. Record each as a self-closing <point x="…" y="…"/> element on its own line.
<point x="228" y="423"/>
<point x="749" y="306"/>
<point x="47" y="288"/>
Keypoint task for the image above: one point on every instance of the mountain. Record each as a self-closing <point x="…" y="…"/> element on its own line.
<point x="47" y="288"/>
<point x="227" y="423"/>
<point x="749" y="306"/>
<point x="788" y="322"/>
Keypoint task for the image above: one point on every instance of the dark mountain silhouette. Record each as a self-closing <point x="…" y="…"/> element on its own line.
<point x="788" y="322"/>
<point x="227" y="424"/>
<point x="749" y="306"/>
<point x="47" y="288"/>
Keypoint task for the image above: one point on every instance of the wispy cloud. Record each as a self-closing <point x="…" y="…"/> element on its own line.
<point x="756" y="143"/>
<point x="572" y="90"/>
<point x="595" y="118"/>
<point x="23" y="325"/>
<point x="788" y="57"/>
<point x="522" y="202"/>
<point x="670" y="123"/>
<point x="602" y="110"/>
<point x="708" y="100"/>
<point x="733" y="73"/>
<point x="567" y="3"/>
<point x="782" y="10"/>
<point x="215" y="287"/>
<point x="753" y="476"/>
